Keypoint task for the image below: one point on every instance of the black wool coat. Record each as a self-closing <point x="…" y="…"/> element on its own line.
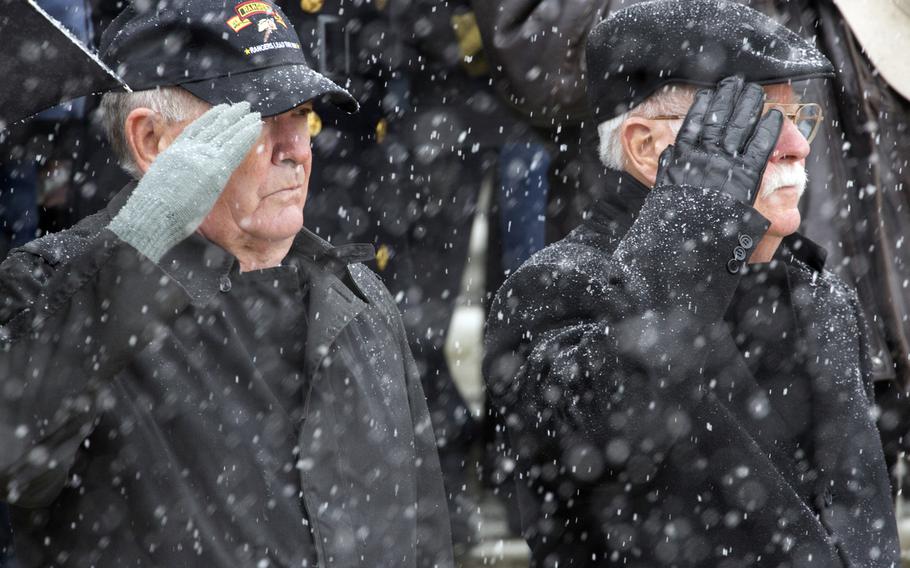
<point x="186" y="414"/>
<point x="640" y="435"/>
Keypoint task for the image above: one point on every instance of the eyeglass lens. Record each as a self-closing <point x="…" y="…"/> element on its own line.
<point x="807" y="121"/>
<point x="807" y="118"/>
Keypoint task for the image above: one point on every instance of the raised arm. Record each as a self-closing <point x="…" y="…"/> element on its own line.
<point x="586" y="347"/>
<point x="76" y="307"/>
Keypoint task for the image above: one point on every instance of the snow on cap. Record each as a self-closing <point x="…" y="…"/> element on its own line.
<point x="639" y="49"/>
<point x="219" y="50"/>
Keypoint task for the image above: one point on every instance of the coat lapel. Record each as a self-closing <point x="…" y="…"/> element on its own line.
<point x="853" y="490"/>
<point x="332" y="307"/>
<point x="737" y="388"/>
<point x="332" y="304"/>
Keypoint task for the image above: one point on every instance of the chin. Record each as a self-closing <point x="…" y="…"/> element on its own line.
<point x="784" y="224"/>
<point x="280" y="226"/>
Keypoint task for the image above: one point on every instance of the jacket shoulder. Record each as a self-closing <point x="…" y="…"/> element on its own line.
<point x="58" y="248"/>
<point x="569" y="281"/>
<point x="829" y="286"/>
<point x="371" y="285"/>
<point x="27" y="269"/>
<point x="571" y="259"/>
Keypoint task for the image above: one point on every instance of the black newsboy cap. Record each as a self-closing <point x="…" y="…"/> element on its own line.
<point x="222" y="51"/>
<point x="641" y="48"/>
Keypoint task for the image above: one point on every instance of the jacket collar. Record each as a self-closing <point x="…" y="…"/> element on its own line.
<point x="614" y="214"/>
<point x="799" y="247"/>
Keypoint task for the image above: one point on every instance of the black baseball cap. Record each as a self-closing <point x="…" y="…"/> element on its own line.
<point x="221" y="51"/>
<point x="643" y="47"/>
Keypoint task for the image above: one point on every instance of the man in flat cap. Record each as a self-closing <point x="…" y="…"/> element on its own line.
<point x="189" y="377"/>
<point x="683" y="383"/>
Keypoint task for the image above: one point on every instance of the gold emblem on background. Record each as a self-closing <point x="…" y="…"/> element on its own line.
<point x="311" y="6"/>
<point x="314" y="123"/>
<point x="382" y="257"/>
<point x="382" y="128"/>
<point x="470" y="44"/>
<point x="381" y="4"/>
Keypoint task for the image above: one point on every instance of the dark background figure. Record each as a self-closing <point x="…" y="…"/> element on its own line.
<point x="18" y="193"/>
<point x="404" y="174"/>
<point x="536" y="54"/>
<point x="523" y="183"/>
<point x="52" y="167"/>
<point x="7" y="560"/>
<point x="856" y="204"/>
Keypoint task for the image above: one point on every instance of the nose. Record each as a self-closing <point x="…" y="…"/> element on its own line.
<point x="792" y="146"/>
<point x="290" y="143"/>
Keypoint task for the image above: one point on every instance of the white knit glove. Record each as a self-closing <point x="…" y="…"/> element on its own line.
<point x="183" y="183"/>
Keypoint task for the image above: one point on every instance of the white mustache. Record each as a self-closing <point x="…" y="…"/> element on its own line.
<point x="778" y="176"/>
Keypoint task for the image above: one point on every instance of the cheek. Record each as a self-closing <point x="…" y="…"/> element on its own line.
<point x="242" y="190"/>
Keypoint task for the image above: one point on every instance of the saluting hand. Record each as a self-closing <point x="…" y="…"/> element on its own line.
<point x="183" y="183"/>
<point x="724" y="143"/>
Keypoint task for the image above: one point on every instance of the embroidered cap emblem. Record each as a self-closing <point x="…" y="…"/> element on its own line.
<point x="245" y="12"/>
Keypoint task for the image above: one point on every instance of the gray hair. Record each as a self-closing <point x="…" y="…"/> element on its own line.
<point x="174" y="104"/>
<point x="672" y="99"/>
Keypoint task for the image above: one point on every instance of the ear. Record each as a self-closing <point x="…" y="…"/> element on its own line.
<point x="147" y="136"/>
<point x="642" y="142"/>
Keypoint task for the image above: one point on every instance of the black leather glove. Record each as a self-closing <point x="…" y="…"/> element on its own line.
<point x="722" y="144"/>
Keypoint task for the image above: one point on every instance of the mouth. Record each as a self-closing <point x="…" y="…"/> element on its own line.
<point x="789" y="190"/>
<point x="285" y="190"/>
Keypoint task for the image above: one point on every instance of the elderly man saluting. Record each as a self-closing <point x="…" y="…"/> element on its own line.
<point x="683" y="383"/>
<point x="189" y="377"/>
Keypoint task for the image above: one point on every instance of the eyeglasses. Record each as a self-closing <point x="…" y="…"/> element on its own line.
<point x="806" y="116"/>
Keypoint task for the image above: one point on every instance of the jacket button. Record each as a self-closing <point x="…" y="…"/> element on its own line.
<point x="745" y="241"/>
<point x="224" y="284"/>
<point x="739" y="253"/>
<point x="733" y="266"/>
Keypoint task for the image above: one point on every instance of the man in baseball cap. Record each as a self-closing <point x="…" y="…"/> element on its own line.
<point x="683" y="382"/>
<point x="189" y="377"/>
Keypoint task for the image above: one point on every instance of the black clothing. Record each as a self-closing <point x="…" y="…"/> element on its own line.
<point x="853" y="206"/>
<point x="762" y="322"/>
<point x="640" y="433"/>
<point x="537" y="56"/>
<point x="154" y="416"/>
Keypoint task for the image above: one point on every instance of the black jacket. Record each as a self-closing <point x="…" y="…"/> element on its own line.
<point x="185" y="414"/>
<point x="640" y="433"/>
<point x="537" y="54"/>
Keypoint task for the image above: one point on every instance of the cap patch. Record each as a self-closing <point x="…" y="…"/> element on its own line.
<point x="246" y="10"/>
